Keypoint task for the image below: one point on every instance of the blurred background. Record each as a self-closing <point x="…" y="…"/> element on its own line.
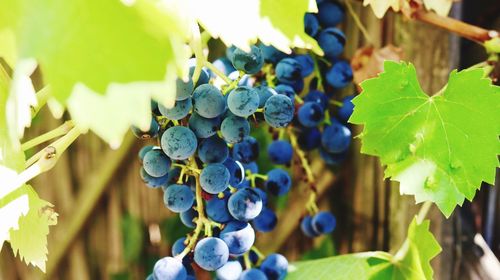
<point x="111" y="226"/>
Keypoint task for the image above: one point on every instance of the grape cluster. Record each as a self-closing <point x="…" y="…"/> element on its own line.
<point x="205" y="160"/>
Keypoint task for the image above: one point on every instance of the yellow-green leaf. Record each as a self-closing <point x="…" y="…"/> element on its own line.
<point x="380" y="7"/>
<point x="441" y="7"/>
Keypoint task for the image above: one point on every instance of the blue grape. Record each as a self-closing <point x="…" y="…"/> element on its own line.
<point x="253" y="167"/>
<point x="317" y="97"/>
<point x="266" y="221"/>
<point x="297" y="85"/>
<point x="179" y="142"/>
<point x="286" y="90"/>
<point x="336" y="138"/>
<point x="245" y="204"/>
<point x="253" y="274"/>
<point x="306" y="227"/>
<point x="184" y="89"/>
<point x="280" y="152"/>
<point x="213" y="150"/>
<point x="179" y="111"/>
<point x="307" y="64"/>
<point x="288" y="70"/>
<point x="211" y="253"/>
<point x="309" y="139"/>
<point x="332" y="158"/>
<point x="178" y="198"/>
<point x="330" y="14"/>
<point x="275" y="266"/>
<point x="236" y="171"/>
<point x="323" y="222"/>
<point x="208" y="101"/>
<point x="264" y="94"/>
<point x="203" y="127"/>
<point x="250" y="63"/>
<point x="239" y="237"/>
<point x="234" y="129"/>
<point x="243" y="101"/>
<point x="311" y="24"/>
<point x="278" y="181"/>
<point x="151" y="132"/>
<point x="153" y="182"/>
<point x="187" y="218"/>
<point x="340" y="75"/>
<point x="156" y="163"/>
<point x="310" y="114"/>
<point x="214" y="178"/>
<point x="169" y="268"/>
<point x="247" y="150"/>
<point x="217" y="210"/>
<point x="230" y="271"/>
<point x="224" y="65"/>
<point x="144" y="150"/>
<point x="347" y="108"/>
<point x="154" y="107"/>
<point x="179" y="246"/>
<point x="271" y="54"/>
<point x="332" y="41"/>
<point x="262" y="194"/>
<point x="278" y="111"/>
<point x="204" y="76"/>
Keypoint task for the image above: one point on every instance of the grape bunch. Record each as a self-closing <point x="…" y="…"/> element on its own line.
<point x="206" y="157"/>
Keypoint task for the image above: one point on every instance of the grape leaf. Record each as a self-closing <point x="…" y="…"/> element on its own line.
<point x="97" y="44"/>
<point x="439" y="148"/>
<point x="29" y="240"/>
<point x="414" y="263"/>
<point x="380" y="7"/>
<point x="441" y="7"/>
<point x="276" y="22"/>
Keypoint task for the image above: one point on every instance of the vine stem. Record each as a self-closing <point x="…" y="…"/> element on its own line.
<point x="358" y="22"/>
<point x="202" y="222"/>
<point x="41" y="97"/>
<point x="422" y="213"/>
<point x="59" y="131"/>
<point x="218" y="72"/>
<point x="246" y="259"/>
<point x="302" y="156"/>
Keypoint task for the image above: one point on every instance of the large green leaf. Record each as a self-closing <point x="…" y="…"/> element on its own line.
<point x="440" y="148"/>
<point x="412" y="263"/>
<point x="100" y="47"/>
<point x="240" y="22"/>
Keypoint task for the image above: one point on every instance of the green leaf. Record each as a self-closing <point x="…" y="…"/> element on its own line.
<point x="420" y="248"/>
<point x="30" y="239"/>
<point x="100" y="47"/>
<point x="353" y="266"/>
<point x="276" y="22"/>
<point x="412" y="263"/>
<point x="439" y="148"/>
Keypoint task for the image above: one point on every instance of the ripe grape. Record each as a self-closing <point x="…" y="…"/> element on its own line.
<point x="264" y="93"/>
<point x="151" y="132"/>
<point x="213" y="150"/>
<point x="243" y="101"/>
<point x="253" y="274"/>
<point x="178" y="198"/>
<point x="230" y="271"/>
<point x="239" y="237"/>
<point x="214" y="178"/>
<point x="317" y="97"/>
<point x="217" y="209"/>
<point x="156" y="163"/>
<point x="179" y="111"/>
<point x="275" y="266"/>
<point x="286" y="90"/>
<point x="266" y="221"/>
<point x="347" y="108"/>
<point x="332" y="41"/>
<point x="306" y="64"/>
<point x="271" y="54"/>
<point x="330" y="14"/>
<point x="178" y="246"/>
<point x="211" y="253"/>
<point x="179" y="142"/>
<point x="278" y="181"/>
<point x="153" y="182"/>
<point x="336" y="137"/>
<point x="208" y="101"/>
<point x="169" y="268"/>
<point x="280" y="152"/>
<point x="250" y="62"/>
<point x="234" y="129"/>
<point x="245" y="204"/>
<point x="309" y="139"/>
<point x="143" y="151"/>
<point x="187" y="218"/>
<point x="236" y="171"/>
<point x="310" y="114"/>
<point x="247" y="150"/>
<point x="288" y="70"/>
<point x="323" y="222"/>
<point x="307" y="228"/>
<point x="340" y="75"/>
<point x="203" y="127"/>
<point x="311" y="24"/>
<point x="278" y="111"/>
